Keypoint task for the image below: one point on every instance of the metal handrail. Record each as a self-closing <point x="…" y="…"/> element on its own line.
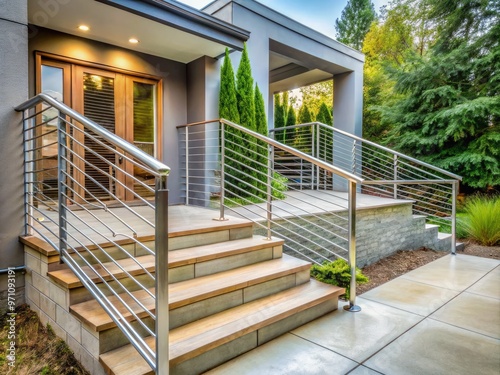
<point x="241" y="177"/>
<point x="68" y="228"/>
<point x="386" y="172"/>
<point x="317" y="162"/>
<point x="378" y="146"/>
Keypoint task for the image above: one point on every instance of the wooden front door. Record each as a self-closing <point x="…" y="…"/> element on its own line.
<point x="124" y="104"/>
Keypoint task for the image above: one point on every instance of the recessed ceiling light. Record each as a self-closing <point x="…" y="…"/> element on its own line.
<point x="133" y="40"/>
<point x="84" y="28"/>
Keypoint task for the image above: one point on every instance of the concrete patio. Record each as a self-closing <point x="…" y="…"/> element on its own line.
<point x="442" y="318"/>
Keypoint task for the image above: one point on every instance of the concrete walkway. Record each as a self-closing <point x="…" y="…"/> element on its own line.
<point x="442" y="318"/>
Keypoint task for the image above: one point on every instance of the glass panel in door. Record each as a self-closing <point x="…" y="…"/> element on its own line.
<point x="99" y="106"/>
<point x="51" y="83"/>
<point x="144" y="130"/>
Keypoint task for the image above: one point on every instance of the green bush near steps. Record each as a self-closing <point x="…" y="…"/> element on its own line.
<point x="481" y="221"/>
<point x="337" y="273"/>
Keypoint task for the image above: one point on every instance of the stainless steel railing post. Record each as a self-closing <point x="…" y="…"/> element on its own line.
<point x="161" y="287"/>
<point x="454" y="192"/>
<point x="28" y="174"/>
<point x="352" y="307"/>
<point x="313" y="153"/>
<point x="222" y="165"/>
<point x="395" y="164"/>
<point x="187" y="166"/>
<point x="61" y="181"/>
<point x="318" y="154"/>
<point x="270" y="174"/>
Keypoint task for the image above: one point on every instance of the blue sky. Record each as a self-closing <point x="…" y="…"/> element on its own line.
<point x="317" y="14"/>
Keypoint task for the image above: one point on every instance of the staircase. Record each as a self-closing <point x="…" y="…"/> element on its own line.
<point x="229" y="292"/>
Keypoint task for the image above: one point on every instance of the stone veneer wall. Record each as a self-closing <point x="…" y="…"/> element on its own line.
<point x="382" y="231"/>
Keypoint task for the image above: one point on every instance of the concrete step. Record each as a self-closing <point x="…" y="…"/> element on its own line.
<point x="204" y="344"/>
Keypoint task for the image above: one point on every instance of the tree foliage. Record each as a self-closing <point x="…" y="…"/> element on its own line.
<point x="244" y="92"/>
<point x="305" y="115"/>
<point x="246" y="172"/>
<point x="314" y="95"/>
<point x="228" y="106"/>
<point x="402" y="30"/>
<point x="448" y="112"/>
<point x="324" y="115"/>
<point x="354" y="22"/>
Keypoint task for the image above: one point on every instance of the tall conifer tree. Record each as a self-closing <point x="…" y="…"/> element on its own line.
<point x="355" y="22"/>
<point x="228" y="106"/>
<point x="244" y="92"/>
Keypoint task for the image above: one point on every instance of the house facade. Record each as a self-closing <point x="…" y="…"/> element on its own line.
<point x="109" y="59"/>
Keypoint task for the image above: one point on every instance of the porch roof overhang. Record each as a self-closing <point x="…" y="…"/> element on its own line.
<point x="164" y="28"/>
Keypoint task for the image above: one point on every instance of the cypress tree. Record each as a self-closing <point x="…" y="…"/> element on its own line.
<point x="279" y="118"/>
<point x="247" y="146"/>
<point x="305" y="115"/>
<point x="260" y="112"/>
<point x="228" y="107"/>
<point x="262" y="151"/>
<point x="324" y="115"/>
<point x="244" y="92"/>
<point x="304" y="118"/>
<point x="291" y="119"/>
<point x="325" y="135"/>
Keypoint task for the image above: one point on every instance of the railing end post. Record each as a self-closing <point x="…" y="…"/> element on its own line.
<point x="352" y="307"/>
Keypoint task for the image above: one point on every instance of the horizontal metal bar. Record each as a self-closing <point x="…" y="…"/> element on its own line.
<point x="339" y="172"/>
<point x="406" y="182"/>
<point x="112" y="138"/>
<point x="419" y="162"/>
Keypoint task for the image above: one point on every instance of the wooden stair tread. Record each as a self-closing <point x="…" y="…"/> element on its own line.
<point x="205" y="334"/>
<point x="204" y="253"/>
<point x="134" y="266"/>
<point x="190" y="291"/>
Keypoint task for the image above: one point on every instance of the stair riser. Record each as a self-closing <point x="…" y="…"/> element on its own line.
<point x="198" y="239"/>
<point x="229" y="262"/>
<point x="232" y="349"/>
<point x="108" y="254"/>
<point x="81" y="294"/>
<point x="114" y="338"/>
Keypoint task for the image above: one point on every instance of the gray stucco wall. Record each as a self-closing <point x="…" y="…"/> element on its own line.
<point x="173" y="75"/>
<point x="13" y="91"/>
